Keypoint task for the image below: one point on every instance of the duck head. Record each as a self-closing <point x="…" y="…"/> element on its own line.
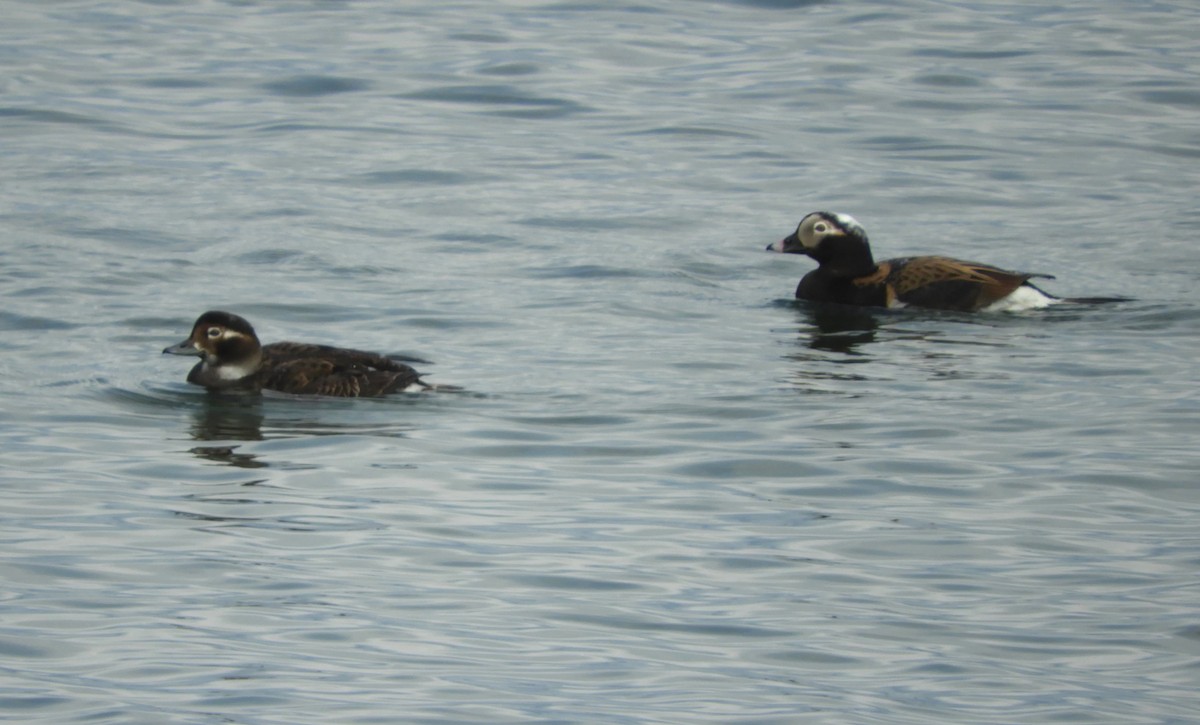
<point x="226" y="344"/>
<point x="836" y="241"/>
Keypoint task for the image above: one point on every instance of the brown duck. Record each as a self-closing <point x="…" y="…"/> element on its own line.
<point x="846" y="273"/>
<point x="231" y="358"/>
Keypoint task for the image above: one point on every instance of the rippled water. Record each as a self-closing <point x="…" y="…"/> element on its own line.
<point x="671" y="493"/>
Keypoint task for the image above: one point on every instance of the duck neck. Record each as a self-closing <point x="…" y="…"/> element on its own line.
<point x="851" y="261"/>
<point x="230" y="373"/>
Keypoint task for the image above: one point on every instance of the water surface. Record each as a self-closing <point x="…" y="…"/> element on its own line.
<point x="671" y="494"/>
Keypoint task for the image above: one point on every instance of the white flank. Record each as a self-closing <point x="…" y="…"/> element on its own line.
<point x="1021" y="299"/>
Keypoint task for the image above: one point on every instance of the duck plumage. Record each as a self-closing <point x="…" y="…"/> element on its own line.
<point x="847" y="273"/>
<point x="232" y="358"/>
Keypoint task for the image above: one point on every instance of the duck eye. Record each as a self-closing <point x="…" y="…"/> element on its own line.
<point x="820" y="227"/>
<point x="213" y="332"/>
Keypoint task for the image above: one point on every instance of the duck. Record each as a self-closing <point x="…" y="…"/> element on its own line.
<point x="848" y="274"/>
<point x="233" y="359"/>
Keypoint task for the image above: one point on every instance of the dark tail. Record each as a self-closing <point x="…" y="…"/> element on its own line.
<point x="443" y="388"/>
<point x="1076" y="300"/>
<point x="1096" y="300"/>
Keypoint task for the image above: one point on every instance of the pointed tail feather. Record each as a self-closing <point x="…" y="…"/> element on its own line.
<point x="1096" y="300"/>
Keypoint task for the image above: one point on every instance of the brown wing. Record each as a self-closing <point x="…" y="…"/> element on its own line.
<point x="951" y="283"/>
<point x="290" y="350"/>
<point x="880" y="278"/>
<point x="343" y="378"/>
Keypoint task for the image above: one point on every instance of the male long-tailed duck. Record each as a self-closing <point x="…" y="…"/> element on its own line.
<point x="846" y="273"/>
<point x="232" y="358"/>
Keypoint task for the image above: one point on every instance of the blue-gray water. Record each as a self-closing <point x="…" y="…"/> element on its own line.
<point x="671" y="494"/>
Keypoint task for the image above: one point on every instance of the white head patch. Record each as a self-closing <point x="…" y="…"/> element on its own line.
<point x="815" y="227"/>
<point x="848" y="223"/>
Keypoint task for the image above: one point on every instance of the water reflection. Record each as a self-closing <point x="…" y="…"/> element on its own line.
<point x="228" y="417"/>
<point x="840" y="328"/>
<point x="228" y="456"/>
<point x="224" y="420"/>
